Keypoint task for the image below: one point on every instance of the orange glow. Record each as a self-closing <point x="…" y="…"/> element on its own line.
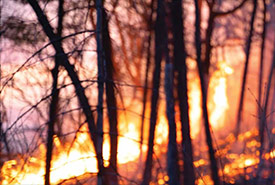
<point x="70" y="161"/>
<point x="217" y="99"/>
<point x="270" y="155"/>
<point x="195" y="112"/>
<point x="74" y="163"/>
<point x="218" y="103"/>
<point x="204" y="180"/>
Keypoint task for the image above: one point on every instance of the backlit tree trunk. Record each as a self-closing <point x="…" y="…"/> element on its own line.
<point x="172" y="153"/>
<point x="213" y="162"/>
<point x="159" y="50"/>
<point x="180" y="63"/>
<point x="261" y="73"/>
<point x="54" y="100"/>
<point x="101" y="62"/>
<point x="148" y="63"/>
<point x="247" y="54"/>
<point x="111" y="101"/>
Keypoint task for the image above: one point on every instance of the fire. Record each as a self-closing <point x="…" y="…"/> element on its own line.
<point x="69" y="160"/>
<point x="205" y="180"/>
<point x="270" y="155"/>
<point x="218" y="103"/>
<point x="161" y="130"/>
<point x="128" y="147"/>
<point x="73" y="160"/>
<point x="195" y="111"/>
<point x="217" y="99"/>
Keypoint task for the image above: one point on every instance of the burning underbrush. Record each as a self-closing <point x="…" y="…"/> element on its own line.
<point x="74" y="161"/>
<point x="238" y="159"/>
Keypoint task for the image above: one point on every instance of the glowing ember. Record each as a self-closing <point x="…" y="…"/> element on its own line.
<point x="205" y="180"/>
<point x="270" y="155"/>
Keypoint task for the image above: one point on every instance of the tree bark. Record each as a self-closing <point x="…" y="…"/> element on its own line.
<point x="181" y="69"/>
<point x="207" y="47"/>
<point x="53" y="118"/>
<point x="148" y="63"/>
<point x="247" y="52"/>
<point x="213" y="162"/>
<point x="159" y="50"/>
<point x="54" y="100"/>
<point x="172" y="153"/>
<point x="261" y="73"/>
<point x="101" y="62"/>
<point x="263" y="116"/>
<point x="111" y="101"/>
<point x="263" y="119"/>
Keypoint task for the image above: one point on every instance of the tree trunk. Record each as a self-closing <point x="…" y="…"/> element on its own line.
<point x="247" y="52"/>
<point x="213" y="162"/>
<point x="263" y="120"/>
<point x="54" y="100"/>
<point x="263" y="116"/>
<point x="261" y="112"/>
<point x="172" y="154"/>
<point x="159" y="50"/>
<point x="261" y="73"/>
<point x="50" y="133"/>
<point x="111" y="102"/>
<point x="101" y="62"/>
<point x="207" y="47"/>
<point x="148" y="63"/>
<point x="180" y="63"/>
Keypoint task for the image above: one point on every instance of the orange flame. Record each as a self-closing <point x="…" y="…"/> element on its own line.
<point x="218" y="103"/>
<point x="217" y="99"/>
<point x="72" y="160"/>
<point x="69" y="161"/>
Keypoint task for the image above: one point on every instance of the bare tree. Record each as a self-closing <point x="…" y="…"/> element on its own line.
<point x="214" y="168"/>
<point x="247" y="54"/>
<point x="47" y="28"/>
<point x="110" y="100"/>
<point x="261" y="71"/>
<point x="148" y="63"/>
<point x="179" y="54"/>
<point x="101" y="62"/>
<point x="266" y="101"/>
<point x="54" y="100"/>
<point x="172" y="153"/>
<point x="159" y="51"/>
